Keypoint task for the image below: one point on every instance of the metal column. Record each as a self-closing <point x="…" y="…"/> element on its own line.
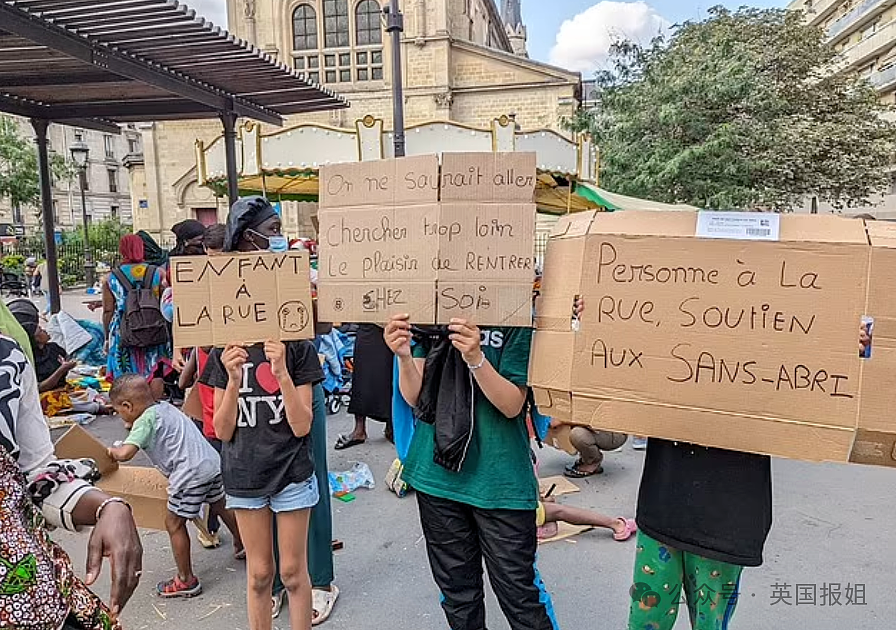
<point x="46" y="202"/>
<point x="395" y="27"/>
<point x="228" y="119"/>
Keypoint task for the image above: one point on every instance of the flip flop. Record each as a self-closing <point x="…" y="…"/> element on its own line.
<point x="572" y="471"/>
<point x="322" y="602"/>
<point x="343" y="442"/>
<point x="630" y="528"/>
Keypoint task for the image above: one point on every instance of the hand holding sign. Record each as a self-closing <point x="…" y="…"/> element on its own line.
<point x="398" y="335"/>
<point x="466" y="338"/>
<point x="275" y="351"/>
<point x="234" y="358"/>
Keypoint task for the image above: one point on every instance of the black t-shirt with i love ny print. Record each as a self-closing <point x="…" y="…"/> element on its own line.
<point x="264" y="455"/>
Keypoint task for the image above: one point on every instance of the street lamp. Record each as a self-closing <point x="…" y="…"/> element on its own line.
<point x="80" y="153"/>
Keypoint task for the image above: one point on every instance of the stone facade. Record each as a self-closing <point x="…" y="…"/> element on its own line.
<point x="108" y="181"/>
<point x="459" y="64"/>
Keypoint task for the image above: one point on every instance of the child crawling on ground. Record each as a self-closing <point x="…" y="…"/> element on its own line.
<point x="192" y="466"/>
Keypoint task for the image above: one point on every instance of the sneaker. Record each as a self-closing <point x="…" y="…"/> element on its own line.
<point x="639" y="443"/>
<point x="277" y="603"/>
<point x="176" y="588"/>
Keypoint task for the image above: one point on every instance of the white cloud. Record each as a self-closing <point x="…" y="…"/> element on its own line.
<point x="212" y="10"/>
<point x="583" y="43"/>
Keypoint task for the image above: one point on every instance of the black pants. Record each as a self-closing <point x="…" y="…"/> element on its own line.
<point x="459" y="537"/>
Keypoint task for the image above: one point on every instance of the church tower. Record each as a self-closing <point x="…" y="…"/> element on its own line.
<point x="512" y="15"/>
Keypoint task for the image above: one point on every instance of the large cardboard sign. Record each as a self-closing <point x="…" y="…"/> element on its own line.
<point x="409" y="236"/>
<point x="244" y="298"/>
<point x="740" y="344"/>
<point x="145" y="489"/>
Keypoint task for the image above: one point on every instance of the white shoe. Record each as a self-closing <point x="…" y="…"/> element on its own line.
<point x="639" y="443"/>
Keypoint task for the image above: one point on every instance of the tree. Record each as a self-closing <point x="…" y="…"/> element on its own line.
<point x="19" y="177"/>
<point x="739" y="111"/>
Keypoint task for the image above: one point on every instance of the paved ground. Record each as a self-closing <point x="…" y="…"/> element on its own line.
<point x="833" y="525"/>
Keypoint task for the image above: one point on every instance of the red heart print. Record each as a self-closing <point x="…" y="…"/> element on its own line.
<point x="266" y="379"/>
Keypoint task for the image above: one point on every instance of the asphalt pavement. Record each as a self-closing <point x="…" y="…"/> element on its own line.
<point x="828" y="562"/>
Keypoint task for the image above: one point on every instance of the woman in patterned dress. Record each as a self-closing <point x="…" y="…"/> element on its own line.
<point x="152" y="362"/>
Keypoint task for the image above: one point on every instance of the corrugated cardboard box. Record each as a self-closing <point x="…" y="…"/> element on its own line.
<point x="740" y="344"/>
<point x="436" y="241"/>
<point x="145" y="489"/>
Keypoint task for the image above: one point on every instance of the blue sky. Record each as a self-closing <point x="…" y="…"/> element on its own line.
<point x="588" y="34"/>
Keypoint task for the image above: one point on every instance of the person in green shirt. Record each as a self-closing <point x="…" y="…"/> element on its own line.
<point x="480" y="505"/>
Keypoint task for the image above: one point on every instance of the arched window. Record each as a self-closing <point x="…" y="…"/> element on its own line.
<point x="304" y="28"/>
<point x="367" y="23"/>
<point x="336" y="33"/>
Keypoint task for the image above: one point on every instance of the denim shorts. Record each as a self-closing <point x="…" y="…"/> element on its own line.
<point x="295" y="496"/>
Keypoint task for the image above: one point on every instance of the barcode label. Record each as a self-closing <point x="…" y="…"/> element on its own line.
<point x="744" y="226"/>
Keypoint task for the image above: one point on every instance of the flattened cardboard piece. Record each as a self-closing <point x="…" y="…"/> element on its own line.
<point x="561" y="483"/>
<point x="491" y="177"/>
<point x="247" y="298"/>
<point x="743" y="345"/>
<point x="145" y="489"/>
<point x="566" y="530"/>
<point x="380" y="183"/>
<point x="376" y="301"/>
<point x="398" y="249"/>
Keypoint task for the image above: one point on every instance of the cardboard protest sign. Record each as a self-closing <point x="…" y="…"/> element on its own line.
<point x="244" y="298"/>
<point x="409" y="236"/>
<point x="731" y="342"/>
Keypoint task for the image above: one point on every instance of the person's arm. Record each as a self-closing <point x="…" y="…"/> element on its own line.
<point x="123" y="453"/>
<point x="296" y="398"/>
<point x="397" y="335"/>
<point x="115" y="537"/>
<point x="188" y="374"/>
<point x="506" y="396"/>
<point x="74" y="503"/>
<point x="108" y="308"/>
<point x="57" y="378"/>
<point x="227" y="400"/>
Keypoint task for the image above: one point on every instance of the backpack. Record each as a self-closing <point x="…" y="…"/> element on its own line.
<point x="143" y="325"/>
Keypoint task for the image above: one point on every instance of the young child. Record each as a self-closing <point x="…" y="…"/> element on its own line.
<point x="192" y="467"/>
<point x="263" y="415"/>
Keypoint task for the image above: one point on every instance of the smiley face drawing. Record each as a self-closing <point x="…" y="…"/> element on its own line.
<point x="292" y="317"/>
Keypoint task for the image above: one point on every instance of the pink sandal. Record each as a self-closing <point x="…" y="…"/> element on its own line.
<point x="630" y="528"/>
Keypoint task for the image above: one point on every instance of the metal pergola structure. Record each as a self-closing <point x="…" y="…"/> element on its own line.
<point x="98" y="63"/>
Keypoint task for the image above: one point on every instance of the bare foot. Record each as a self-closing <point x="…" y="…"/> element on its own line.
<point x="548" y="530"/>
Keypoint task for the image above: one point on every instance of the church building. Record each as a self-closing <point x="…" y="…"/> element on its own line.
<point x="463" y="61"/>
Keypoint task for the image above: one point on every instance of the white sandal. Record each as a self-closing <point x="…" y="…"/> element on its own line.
<point x="322" y="602"/>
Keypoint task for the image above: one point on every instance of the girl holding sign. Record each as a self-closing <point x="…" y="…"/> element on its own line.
<point x="263" y="416"/>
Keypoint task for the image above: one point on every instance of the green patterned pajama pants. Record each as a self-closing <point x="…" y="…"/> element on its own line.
<point x="665" y="578"/>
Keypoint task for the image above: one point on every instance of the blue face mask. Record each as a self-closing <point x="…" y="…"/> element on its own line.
<point x="278" y="243"/>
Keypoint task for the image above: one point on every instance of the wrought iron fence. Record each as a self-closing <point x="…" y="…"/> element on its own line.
<point x="70" y="255"/>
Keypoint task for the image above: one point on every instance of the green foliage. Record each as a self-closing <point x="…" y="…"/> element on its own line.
<point x="739" y="111"/>
<point x="19" y="178"/>
<point x="13" y="262"/>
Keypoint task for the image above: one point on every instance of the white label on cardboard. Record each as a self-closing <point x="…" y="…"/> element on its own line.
<point x="739" y="226"/>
